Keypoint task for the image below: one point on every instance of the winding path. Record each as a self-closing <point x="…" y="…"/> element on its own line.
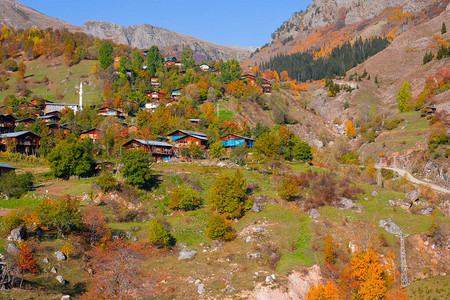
<point x="413" y="179"/>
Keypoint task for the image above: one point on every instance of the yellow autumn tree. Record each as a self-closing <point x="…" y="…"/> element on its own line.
<point x="329" y="291"/>
<point x="350" y="131"/>
<point x="328" y="251"/>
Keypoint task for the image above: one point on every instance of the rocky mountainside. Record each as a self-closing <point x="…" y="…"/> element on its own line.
<point x="329" y="23"/>
<point x="145" y="36"/>
<point x="16" y="15"/>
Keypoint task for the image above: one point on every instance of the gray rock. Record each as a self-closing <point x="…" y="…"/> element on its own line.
<point x="269" y="279"/>
<point x="254" y="255"/>
<point x="59" y="256"/>
<point x="228" y="289"/>
<point x="412" y="196"/>
<point x="392" y="202"/>
<point x="197" y="282"/>
<point x="65" y="297"/>
<point x="45" y="260"/>
<point x="313" y="213"/>
<point x="201" y="288"/>
<point x="12" y="249"/>
<point x="18" y="234"/>
<point x="248" y="239"/>
<point x="61" y="279"/>
<point x="406" y="205"/>
<point x="426" y="211"/>
<point x="421" y="203"/>
<point x="53" y="270"/>
<point x="346" y="203"/>
<point x="389" y="226"/>
<point x="257" y="207"/>
<point x="186" y="254"/>
<point x="259" y="230"/>
<point x="374" y="193"/>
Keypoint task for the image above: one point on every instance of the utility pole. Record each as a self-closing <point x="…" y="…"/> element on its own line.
<point x="395" y="166"/>
<point x="379" y="171"/>
<point x="405" y="281"/>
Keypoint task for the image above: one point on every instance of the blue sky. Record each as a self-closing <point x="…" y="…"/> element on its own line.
<point x="229" y="22"/>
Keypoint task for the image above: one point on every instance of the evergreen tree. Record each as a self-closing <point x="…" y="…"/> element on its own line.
<point x="187" y="59"/>
<point x="444" y="28"/>
<point x="136" y="168"/>
<point x="303" y="152"/>
<point x="230" y="71"/>
<point x="105" y="55"/>
<point x="154" y="60"/>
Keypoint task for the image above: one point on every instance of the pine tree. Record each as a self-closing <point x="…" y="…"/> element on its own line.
<point x="444" y="28"/>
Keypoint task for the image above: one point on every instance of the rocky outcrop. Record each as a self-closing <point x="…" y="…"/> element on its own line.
<point x="16" y="15"/>
<point x="144" y="36"/>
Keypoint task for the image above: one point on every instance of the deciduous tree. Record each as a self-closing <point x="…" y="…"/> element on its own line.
<point x="403" y="97"/>
<point x="96" y="225"/>
<point x="136" y="168"/>
<point x="105" y="55"/>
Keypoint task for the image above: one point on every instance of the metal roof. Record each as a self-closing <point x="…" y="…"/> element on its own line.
<point x="243" y="137"/>
<point x="7" y="166"/>
<point x="60" y="104"/>
<point x="152" y="143"/>
<point x="14" y="134"/>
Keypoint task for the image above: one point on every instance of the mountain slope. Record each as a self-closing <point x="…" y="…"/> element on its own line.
<point x="326" y="24"/>
<point x="145" y="36"/>
<point x="16" y="15"/>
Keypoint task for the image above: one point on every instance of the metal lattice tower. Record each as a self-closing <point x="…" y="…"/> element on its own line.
<point x="395" y="166"/>
<point x="405" y="281"/>
<point x="379" y="171"/>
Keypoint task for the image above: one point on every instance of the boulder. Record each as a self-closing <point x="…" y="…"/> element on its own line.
<point x="374" y="193"/>
<point x="186" y="254"/>
<point x="258" y="230"/>
<point x="53" y="270"/>
<point x="257" y="207"/>
<point x="389" y="226"/>
<point x="254" y="255"/>
<point x="59" y="256"/>
<point x="12" y="249"/>
<point x="392" y="202"/>
<point x="18" y="234"/>
<point x="346" y="203"/>
<point x="313" y="213"/>
<point x="228" y="289"/>
<point x="65" y="297"/>
<point x="45" y="260"/>
<point x="201" y="288"/>
<point x="406" y="205"/>
<point x="412" y="196"/>
<point x="425" y="211"/>
<point x="61" y="279"/>
<point x="269" y="279"/>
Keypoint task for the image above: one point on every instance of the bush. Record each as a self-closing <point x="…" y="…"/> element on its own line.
<point x="11" y="221"/>
<point x="13" y="185"/>
<point x="219" y="228"/>
<point x="136" y="169"/>
<point x="107" y="182"/>
<point x="288" y="188"/>
<point x="159" y="235"/>
<point x="11" y="65"/>
<point x="184" y="198"/>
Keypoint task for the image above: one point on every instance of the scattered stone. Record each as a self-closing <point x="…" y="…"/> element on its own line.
<point x="346" y="204"/>
<point x="421" y="203"/>
<point x="257" y="207"/>
<point x="365" y="198"/>
<point x="65" y="297"/>
<point x="406" y="205"/>
<point x="18" y="234"/>
<point x="60" y="256"/>
<point x="426" y="211"/>
<point x="259" y="230"/>
<point x="374" y="193"/>
<point x="201" y="288"/>
<point x="352" y="247"/>
<point x="313" y="213"/>
<point x="269" y="279"/>
<point x="254" y="255"/>
<point x="392" y="202"/>
<point x="389" y="226"/>
<point x="236" y="220"/>
<point x="53" y="270"/>
<point x="273" y="276"/>
<point x="186" y="254"/>
<point x="228" y="289"/>
<point x="12" y="249"/>
<point x="45" y="260"/>
<point x="60" y="279"/>
<point x="248" y="239"/>
<point x="412" y="196"/>
<point x="2" y="257"/>
<point x="197" y="282"/>
<point x="135" y="239"/>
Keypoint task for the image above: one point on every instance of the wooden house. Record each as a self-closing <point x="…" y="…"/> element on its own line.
<point x="176" y="94"/>
<point x="266" y="87"/>
<point x="7" y="123"/>
<point x="50" y="107"/>
<point x="430" y="110"/>
<point x="154" y="81"/>
<point x="194" y="122"/>
<point x="171" y="102"/>
<point x="6" y="168"/>
<point x="234" y="140"/>
<point x="109" y="111"/>
<point x="25" y="142"/>
<point x="151" y="105"/>
<point x="49" y="118"/>
<point x="94" y="134"/>
<point x="155" y="96"/>
<point x="182" y="138"/>
<point x="159" y="150"/>
<point x="26" y="122"/>
<point x="250" y="78"/>
<point x="55" y="113"/>
<point x="53" y="127"/>
<point x="170" y="61"/>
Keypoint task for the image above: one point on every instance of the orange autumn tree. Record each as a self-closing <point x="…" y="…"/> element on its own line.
<point x="329" y="291"/>
<point x="118" y="273"/>
<point x="350" y="131"/>
<point x="328" y="251"/>
<point x="96" y="225"/>
<point x="26" y="261"/>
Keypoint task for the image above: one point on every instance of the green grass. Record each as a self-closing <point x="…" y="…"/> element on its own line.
<point x="80" y="188"/>
<point x="226" y="115"/>
<point x="62" y="79"/>
<point x="27" y="200"/>
<point x="430" y="288"/>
